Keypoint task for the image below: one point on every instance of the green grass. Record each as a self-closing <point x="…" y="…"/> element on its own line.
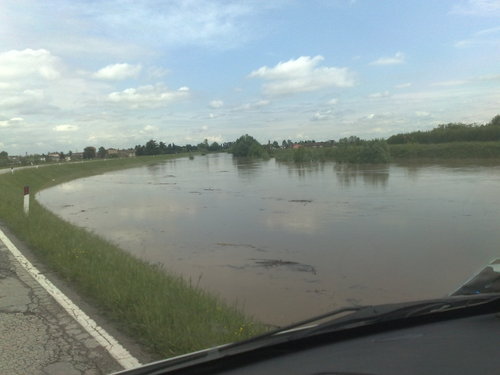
<point x="160" y="310"/>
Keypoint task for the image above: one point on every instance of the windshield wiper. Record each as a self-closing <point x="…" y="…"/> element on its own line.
<point x="359" y="320"/>
<point x="450" y="307"/>
<point x="364" y="316"/>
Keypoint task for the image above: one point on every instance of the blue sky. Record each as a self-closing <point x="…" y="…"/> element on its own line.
<point x="75" y="73"/>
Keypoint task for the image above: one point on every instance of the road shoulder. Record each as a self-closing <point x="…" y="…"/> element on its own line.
<point x="39" y="335"/>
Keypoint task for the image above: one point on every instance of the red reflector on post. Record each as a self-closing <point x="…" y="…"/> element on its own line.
<point x="26" y="190"/>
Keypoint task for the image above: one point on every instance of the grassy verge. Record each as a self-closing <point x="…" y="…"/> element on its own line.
<point x="159" y="310"/>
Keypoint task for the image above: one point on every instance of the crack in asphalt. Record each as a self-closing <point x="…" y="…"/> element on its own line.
<point x="38" y="336"/>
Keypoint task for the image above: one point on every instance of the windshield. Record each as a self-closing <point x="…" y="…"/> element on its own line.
<point x="200" y="173"/>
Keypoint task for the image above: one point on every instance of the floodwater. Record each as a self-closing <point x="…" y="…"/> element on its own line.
<point x="285" y="242"/>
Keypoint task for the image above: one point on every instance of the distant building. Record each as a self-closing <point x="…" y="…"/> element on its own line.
<point x="314" y="144"/>
<point x="117" y="153"/>
<point x="53" y="156"/>
<point x="127" y="153"/>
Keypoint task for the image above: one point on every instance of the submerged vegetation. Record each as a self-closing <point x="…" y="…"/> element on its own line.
<point x="449" y="141"/>
<point x="375" y="151"/>
<point x="163" y="311"/>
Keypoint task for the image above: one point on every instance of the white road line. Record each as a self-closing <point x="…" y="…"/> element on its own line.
<point x="109" y="343"/>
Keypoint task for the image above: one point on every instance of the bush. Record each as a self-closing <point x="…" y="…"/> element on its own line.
<point x="248" y="147"/>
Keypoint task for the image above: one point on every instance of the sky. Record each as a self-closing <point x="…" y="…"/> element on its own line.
<point x="117" y="73"/>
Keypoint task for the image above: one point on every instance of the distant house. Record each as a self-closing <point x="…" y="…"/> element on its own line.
<point x="77" y="155"/>
<point x="53" y="156"/>
<point x="314" y="144"/>
<point x="317" y="144"/>
<point x="112" y="152"/>
<point x="117" y="153"/>
<point x="128" y="153"/>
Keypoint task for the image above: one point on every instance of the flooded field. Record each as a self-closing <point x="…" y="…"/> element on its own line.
<point x="285" y="242"/>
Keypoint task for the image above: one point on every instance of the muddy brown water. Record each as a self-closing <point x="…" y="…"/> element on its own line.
<point x="285" y="242"/>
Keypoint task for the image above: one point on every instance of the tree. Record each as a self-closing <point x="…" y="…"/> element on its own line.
<point x="101" y="153"/>
<point x="89" y="152"/>
<point x="4" y="158"/>
<point x="163" y="148"/>
<point x="140" y="150"/>
<point x="495" y="121"/>
<point x="152" y="148"/>
<point x="247" y="146"/>
<point x="214" y="147"/>
<point x="203" y="146"/>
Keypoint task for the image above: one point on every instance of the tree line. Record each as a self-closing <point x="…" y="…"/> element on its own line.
<point x="247" y="146"/>
<point x="452" y="132"/>
<point x="153" y="147"/>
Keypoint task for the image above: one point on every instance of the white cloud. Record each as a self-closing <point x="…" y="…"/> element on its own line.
<point x="149" y="129"/>
<point x="321" y="116"/>
<point x="490" y="36"/>
<point x="156" y="72"/>
<point x="206" y="23"/>
<point x="487" y="8"/>
<point x="65" y="128"/>
<point x="449" y="83"/>
<point x="403" y="85"/>
<point x="422" y="114"/>
<point x="302" y="75"/>
<point x="17" y="64"/>
<point x="253" y="105"/>
<point x="493" y="77"/>
<point x="23" y="99"/>
<point x="215" y="138"/>
<point x="148" y="96"/>
<point x="489" y="31"/>
<point x="398" y="58"/>
<point x="11" y="122"/>
<point x="333" y="101"/>
<point x="378" y="95"/>
<point x="118" y="71"/>
<point x="216" y="104"/>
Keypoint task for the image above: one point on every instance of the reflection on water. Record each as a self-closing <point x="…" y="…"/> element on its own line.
<point x="247" y="168"/>
<point x="374" y="175"/>
<point x="288" y="241"/>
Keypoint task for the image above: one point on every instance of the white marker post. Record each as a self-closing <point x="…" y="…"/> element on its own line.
<point x="26" y="200"/>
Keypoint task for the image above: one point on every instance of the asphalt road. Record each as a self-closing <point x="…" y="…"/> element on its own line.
<point x="38" y="336"/>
